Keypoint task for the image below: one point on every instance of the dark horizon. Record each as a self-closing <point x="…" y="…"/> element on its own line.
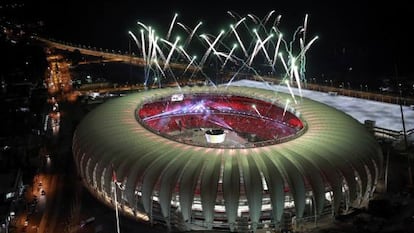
<point x="369" y="39"/>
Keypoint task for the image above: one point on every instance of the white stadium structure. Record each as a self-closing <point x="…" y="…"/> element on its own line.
<point x="228" y="158"/>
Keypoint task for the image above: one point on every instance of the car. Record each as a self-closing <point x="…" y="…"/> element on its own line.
<point x="87" y="221"/>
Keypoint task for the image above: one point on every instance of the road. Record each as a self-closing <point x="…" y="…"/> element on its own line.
<point x="49" y="201"/>
<point x="65" y="202"/>
<point x="108" y="56"/>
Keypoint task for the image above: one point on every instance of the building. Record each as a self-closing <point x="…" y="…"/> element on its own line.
<point x="282" y="161"/>
<point x="11" y="187"/>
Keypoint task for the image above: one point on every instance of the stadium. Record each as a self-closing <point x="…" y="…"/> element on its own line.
<point x="225" y="157"/>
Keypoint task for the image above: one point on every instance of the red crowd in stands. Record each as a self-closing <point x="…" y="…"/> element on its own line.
<point x="244" y="115"/>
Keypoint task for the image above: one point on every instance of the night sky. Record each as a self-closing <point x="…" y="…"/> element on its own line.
<point x="373" y="39"/>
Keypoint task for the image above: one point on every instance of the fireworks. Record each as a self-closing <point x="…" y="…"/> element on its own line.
<point x="249" y="46"/>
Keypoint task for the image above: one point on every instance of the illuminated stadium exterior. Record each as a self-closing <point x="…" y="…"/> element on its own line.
<point x="229" y="158"/>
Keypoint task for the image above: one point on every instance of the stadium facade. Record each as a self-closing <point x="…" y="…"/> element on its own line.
<point x="280" y="162"/>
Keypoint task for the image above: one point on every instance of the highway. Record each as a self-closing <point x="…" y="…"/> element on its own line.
<point x="52" y="200"/>
<point x="107" y="56"/>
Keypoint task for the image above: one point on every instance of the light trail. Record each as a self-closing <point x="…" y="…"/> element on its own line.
<point x="171" y="26"/>
<point x="238" y="38"/>
<point x="258" y="45"/>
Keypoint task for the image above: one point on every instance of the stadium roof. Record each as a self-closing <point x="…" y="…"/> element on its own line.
<point x="385" y="115"/>
<point x="334" y="147"/>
